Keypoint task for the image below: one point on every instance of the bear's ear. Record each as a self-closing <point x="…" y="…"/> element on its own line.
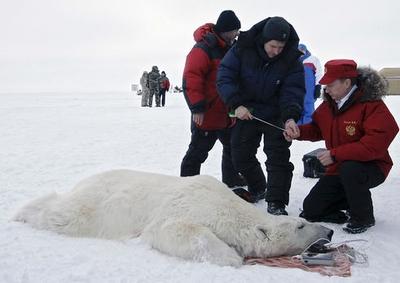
<point x="262" y="232"/>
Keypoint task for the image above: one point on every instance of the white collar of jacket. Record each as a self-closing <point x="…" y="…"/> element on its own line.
<point x="344" y="99"/>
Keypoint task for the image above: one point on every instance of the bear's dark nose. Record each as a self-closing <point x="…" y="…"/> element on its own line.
<point x="330" y="234"/>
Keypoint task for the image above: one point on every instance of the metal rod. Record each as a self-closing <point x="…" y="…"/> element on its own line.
<point x="268" y="123"/>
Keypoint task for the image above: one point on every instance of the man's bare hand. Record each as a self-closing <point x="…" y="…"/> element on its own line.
<point x="325" y="158"/>
<point x="198" y="118"/>
<point x="243" y="113"/>
<point x="287" y="137"/>
<point x="292" y="131"/>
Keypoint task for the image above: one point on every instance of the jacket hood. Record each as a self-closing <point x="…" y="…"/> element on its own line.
<point x="306" y="53"/>
<point x="372" y="85"/>
<point x="253" y="37"/>
<point x="207" y="34"/>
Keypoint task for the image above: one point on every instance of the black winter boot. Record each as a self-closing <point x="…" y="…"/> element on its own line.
<point x="355" y="226"/>
<point x="337" y="217"/>
<point x="276" y="208"/>
<point x="247" y="196"/>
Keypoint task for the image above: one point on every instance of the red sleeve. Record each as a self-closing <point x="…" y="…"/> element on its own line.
<point x="194" y="79"/>
<point x="310" y="132"/>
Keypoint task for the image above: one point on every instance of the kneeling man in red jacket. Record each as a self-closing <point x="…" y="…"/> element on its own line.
<point x="357" y="128"/>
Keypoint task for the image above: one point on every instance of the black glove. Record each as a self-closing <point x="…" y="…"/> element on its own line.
<point x="317" y="91"/>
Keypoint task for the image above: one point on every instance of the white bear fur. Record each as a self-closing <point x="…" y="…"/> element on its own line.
<point x="195" y="218"/>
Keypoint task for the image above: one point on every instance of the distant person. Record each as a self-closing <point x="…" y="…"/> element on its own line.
<point x="312" y="74"/>
<point x="154" y="86"/>
<point x="164" y="87"/>
<point x="262" y="77"/>
<point x="209" y="121"/>
<point x="357" y="128"/>
<point x="144" y="83"/>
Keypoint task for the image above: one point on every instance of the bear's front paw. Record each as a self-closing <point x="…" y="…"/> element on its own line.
<point x="232" y="260"/>
<point x="222" y="255"/>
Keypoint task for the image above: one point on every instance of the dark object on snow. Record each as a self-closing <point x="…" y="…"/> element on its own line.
<point x="247" y="196"/>
<point x="312" y="167"/>
<point x="355" y="226"/>
<point x="276" y="208"/>
<point x="178" y="89"/>
<point x="338" y="217"/>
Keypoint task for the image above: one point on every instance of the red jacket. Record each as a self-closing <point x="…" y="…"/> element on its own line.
<point x="199" y="78"/>
<point x="361" y="130"/>
<point x="164" y="83"/>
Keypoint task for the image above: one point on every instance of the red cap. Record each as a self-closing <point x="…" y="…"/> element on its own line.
<point x="339" y="69"/>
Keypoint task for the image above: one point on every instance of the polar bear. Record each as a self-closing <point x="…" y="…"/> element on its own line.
<point x="197" y="218"/>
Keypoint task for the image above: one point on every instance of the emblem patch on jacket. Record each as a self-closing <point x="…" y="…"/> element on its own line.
<point x="350" y="128"/>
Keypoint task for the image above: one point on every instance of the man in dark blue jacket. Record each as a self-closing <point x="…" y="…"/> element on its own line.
<point x="261" y="77"/>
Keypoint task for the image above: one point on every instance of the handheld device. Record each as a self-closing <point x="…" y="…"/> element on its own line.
<point x="318" y="258"/>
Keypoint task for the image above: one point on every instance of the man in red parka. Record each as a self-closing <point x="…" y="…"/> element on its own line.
<point x="357" y="128"/>
<point x="210" y="119"/>
<point x="164" y="87"/>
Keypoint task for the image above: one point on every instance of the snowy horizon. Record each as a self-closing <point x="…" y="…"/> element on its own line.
<point x="106" y="45"/>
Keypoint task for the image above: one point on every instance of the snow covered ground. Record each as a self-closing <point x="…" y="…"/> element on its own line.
<point x="49" y="141"/>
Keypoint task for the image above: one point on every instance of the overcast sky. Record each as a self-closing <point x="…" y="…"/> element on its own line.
<point x="105" y="45"/>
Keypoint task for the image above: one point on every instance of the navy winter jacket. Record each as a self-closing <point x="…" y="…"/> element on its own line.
<point x="271" y="88"/>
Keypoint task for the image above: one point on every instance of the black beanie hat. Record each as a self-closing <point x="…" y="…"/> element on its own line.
<point x="276" y="28"/>
<point x="227" y="21"/>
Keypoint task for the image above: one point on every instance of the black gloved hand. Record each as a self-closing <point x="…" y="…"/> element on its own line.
<point x="317" y="91"/>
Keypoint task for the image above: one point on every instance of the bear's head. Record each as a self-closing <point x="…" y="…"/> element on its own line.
<point x="282" y="236"/>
